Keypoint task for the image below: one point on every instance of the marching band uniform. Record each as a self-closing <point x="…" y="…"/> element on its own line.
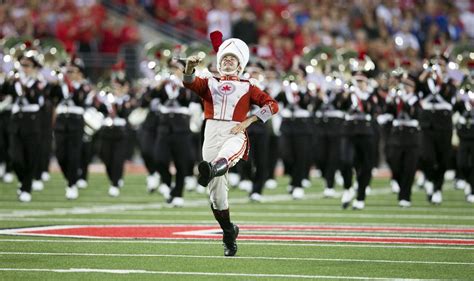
<point x="27" y="91"/>
<point x="5" y="115"/>
<point x="295" y="134"/>
<point x="437" y="129"/>
<point x="113" y="135"/>
<point x="404" y="139"/>
<point x="328" y="124"/>
<point x="72" y="98"/>
<point x="357" y="144"/>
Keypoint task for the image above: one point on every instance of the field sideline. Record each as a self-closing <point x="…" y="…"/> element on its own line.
<point x="136" y="236"/>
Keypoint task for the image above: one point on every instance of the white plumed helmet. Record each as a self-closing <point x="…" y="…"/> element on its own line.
<point x="232" y="46"/>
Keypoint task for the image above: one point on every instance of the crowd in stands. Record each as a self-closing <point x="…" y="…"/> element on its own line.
<point x="82" y="25"/>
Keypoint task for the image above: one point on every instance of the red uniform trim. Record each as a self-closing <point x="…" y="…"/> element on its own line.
<point x="241" y="150"/>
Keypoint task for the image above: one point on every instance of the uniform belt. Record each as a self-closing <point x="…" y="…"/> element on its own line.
<point x="179" y="110"/>
<point x="405" y="123"/>
<point x="64" y="109"/>
<point x="25" y="108"/>
<point x="436" y="106"/>
<point x="286" y="113"/>
<point x="331" y="114"/>
<point x="119" y="122"/>
<point x="365" y="117"/>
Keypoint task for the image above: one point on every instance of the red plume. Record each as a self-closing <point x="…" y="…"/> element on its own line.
<point x="361" y="55"/>
<point x="216" y="39"/>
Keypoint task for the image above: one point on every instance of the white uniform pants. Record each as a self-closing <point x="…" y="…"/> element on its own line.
<point x="220" y="143"/>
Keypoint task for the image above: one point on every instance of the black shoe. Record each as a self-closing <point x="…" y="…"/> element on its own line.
<point x="230" y="244"/>
<point x="345" y="205"/>
<point x="205" y="173"/>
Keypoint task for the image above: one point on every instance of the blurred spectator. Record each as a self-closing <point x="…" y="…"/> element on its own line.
<point x="246" y="28"/>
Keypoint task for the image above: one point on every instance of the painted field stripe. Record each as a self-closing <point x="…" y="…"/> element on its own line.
<point x="256" y="275"/>
<point x="215" y="242"/>
<point x="239" y="258"/>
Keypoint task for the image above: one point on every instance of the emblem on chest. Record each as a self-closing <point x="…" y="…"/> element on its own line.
<point x="226" y="88"/>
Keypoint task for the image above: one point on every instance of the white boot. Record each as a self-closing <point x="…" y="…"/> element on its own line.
<point x="404" y="203"/>
<point x="45" y="176"/>
<point x="114" y="191"/>
<point x="437" y="197"/>
<point x="151" y="183"/>
<point x="470" y="198"/>
<point x="190" y="183"/>
<point x="395" y="186"/>
<point x="245" y="185"/>
<point x="24" y="197"/>
<point x="37" y="185"/>
<point x="82" y="184"/>
<point x="8" y="178"/>
<point x="72" y="193"/>
<point x="298" y="193"/>
<point x="346" y="198"/>
<point x="271" y="184"/>
<point x="164" y="190"/>
<point x="329" y="193"/>
<point x="358" y="205"/>
<point x="177" y="202"/>
<point x="460" y="184"/>
<point x="306" y="183"/>
<point x="256" y="197"/>
<point x="467" y="189"/>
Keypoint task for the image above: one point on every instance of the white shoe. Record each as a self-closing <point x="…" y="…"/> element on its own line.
<point x="151" y="183"/>
<point x="449" y="175"/>
<point x="329" y="193"/>
<point x="429" y="188"/>
<point x="120" y="183"/>
<point x="200" y="189"/>
<point x="82" y="184"/>
<point x="358" y="205"/>
<point x="298" y="193"/>
<point x="395" y="186"/>
<point x="24" y="197"/>
<point x="437" y="197"/>
<point x="470" y="198"/>
<point x="420" y="180"/>
<point x="8" y="178"/>
<point x="271" y="184"/>
<point x="177" y="202"/>
<point x="347" y="196"/>
<point x="256" y="197"/>
<point x="45" y="176"/>
<point x="37" y="185"/>
<point x="467" y="190"/>
<point x="460" y="184"/>
<point x="234" y="179"/>
<point x="164" y="190"/>
<point x="245" y="185"/>
<point x="114" y="191"/>
<point x="404" y="203"/>
<point x="72" y="193"/>
<point x="190" y="183"/>
<point x="306" y="183"/>
<point x="368" y="190"/>
<point x="339" y="179"/>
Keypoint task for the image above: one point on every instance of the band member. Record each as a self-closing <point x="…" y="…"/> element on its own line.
<point x="358" y="141"/>
<point x="227" y="100"/>
<point x="27" y="90"/>
<point x="329" y="119"/>
<point x="404" y="139"/>
<point x="72" y="96"/>
<point x="437" y="91"/>
<point x="115" y="106"/>
<point x="174" y="135"/>
<point x="6" y="169"/>
<point x="465" y="131"/>
<point x="295" y="100"/>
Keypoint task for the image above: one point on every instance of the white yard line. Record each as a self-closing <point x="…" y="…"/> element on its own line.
<point x="214" y="242"/>
<point x="239" y="258"/>
<point x="135" y="271"/>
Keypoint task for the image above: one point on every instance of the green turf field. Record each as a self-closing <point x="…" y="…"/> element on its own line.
<point x="62" y="258"/>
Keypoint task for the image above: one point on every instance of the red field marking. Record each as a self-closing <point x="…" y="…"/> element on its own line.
<point x="213" y="232"/>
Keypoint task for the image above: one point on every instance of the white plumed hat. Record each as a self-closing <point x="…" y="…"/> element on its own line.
<point x="232" y="46"/>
